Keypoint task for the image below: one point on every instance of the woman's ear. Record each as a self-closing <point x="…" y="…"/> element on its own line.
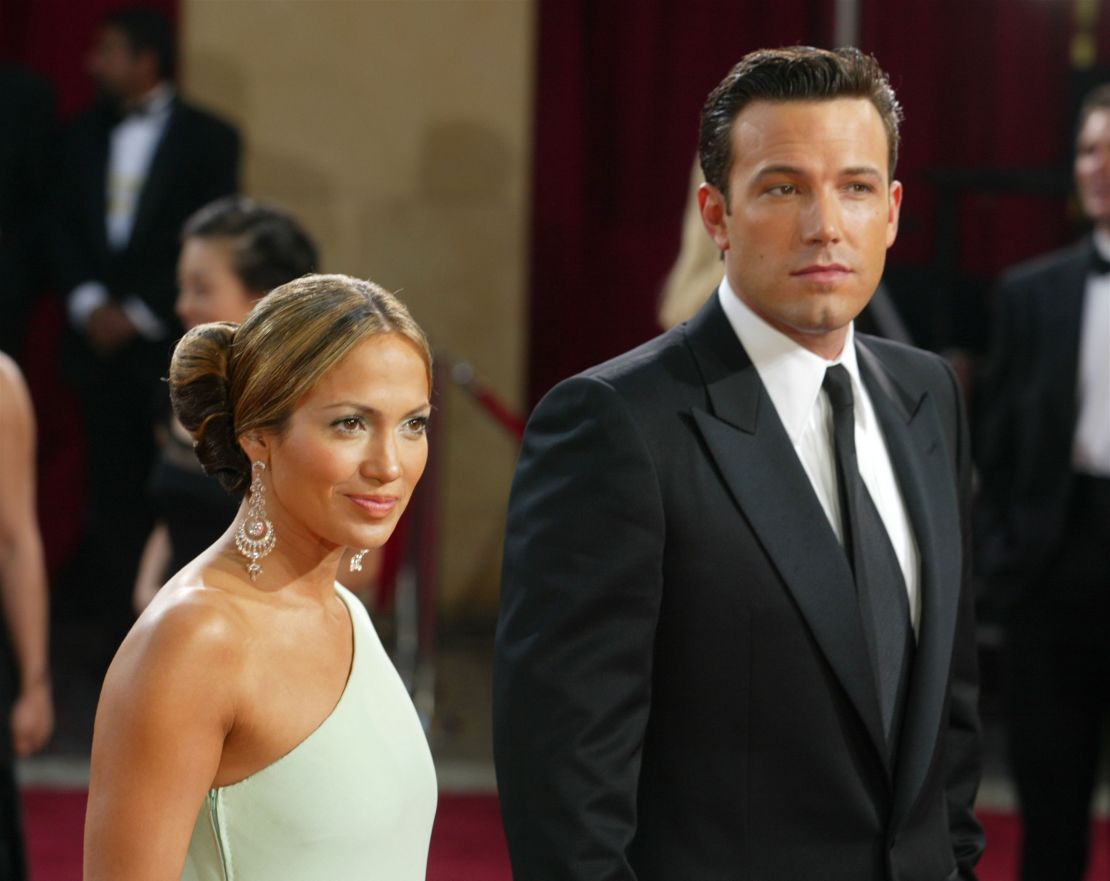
<point x="256" y="446"/>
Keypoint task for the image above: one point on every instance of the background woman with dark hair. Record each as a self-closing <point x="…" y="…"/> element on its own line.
<point x="234" y="251"/>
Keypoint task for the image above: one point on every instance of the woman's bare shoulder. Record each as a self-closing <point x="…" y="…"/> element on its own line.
<point x="192" y="637"/>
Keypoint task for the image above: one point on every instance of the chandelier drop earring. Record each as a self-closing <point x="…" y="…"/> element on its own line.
<point x="356" y="559"/>
<point x="255" y="536"/>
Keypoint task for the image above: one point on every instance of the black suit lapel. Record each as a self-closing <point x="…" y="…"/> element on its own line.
<point x="757" y="462"/>
<point x="162" y="164"/>
<point x="1063" y="322"/>
<point x="96" y="196"/>
<point x="914" y="439"/>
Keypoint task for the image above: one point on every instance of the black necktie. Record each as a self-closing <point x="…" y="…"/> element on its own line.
<point x="880" y="587"/>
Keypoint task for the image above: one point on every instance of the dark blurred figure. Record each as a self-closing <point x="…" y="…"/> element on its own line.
<point x="25" y="699"/>
<point x="135" y="167"/>
<point x="26" y="127"/>
<point x="1045" y="514"/>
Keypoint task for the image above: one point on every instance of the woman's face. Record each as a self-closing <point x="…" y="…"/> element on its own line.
<point x="207" y="287"/>
<point x="343" y="471"/>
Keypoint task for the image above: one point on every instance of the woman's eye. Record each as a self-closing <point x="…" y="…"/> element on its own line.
<point x="349" y="424"/>
<point x="417" y="425"/>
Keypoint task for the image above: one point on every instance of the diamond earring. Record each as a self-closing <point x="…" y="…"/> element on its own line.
<point x="255" y="536"/>
<point x="356" y="559"/>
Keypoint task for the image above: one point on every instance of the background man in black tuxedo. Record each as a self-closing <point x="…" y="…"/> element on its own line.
<point x="736" y="637"/>
<point x="1045" y="507"/>
<point x="135" y="167"/>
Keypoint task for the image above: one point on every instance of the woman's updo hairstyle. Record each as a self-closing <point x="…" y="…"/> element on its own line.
<point x="268" y="247"/>
<point x="227" y="381"/>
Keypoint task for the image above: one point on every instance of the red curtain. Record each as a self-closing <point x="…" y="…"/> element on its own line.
<point x="53" y="37"/>
<point x="620" y="84"/>
<point x="987" y="86"/>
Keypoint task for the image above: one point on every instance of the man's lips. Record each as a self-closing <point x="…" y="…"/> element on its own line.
<point x="375" y="506"/>
<point x="822" y="272"/>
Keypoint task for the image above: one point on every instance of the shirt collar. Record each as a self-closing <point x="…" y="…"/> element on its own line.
<point x="155" y="102"/>
<point x="1102" y="243"/>
<point x="791" y="373"/>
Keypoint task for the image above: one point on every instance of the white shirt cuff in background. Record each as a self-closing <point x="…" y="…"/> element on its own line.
<point x="83" y="300"/>
<point x="146" y="322"/>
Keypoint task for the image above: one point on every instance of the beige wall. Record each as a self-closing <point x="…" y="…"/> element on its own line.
<point x="399" y="132"/>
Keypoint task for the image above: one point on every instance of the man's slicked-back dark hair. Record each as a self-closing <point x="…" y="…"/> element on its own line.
<point x="147" y="30"/>
<point x="793" y="73"/>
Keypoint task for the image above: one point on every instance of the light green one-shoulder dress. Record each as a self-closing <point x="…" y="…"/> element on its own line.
<point x="354" y="801"/>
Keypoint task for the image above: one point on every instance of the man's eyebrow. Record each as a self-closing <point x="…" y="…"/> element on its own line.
<point x="795" y="170"/>
<point x="862" y="171"/>
<point x="769" y="170"/>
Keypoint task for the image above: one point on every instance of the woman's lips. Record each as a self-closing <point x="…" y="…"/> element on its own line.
<point x="375" y="506"/>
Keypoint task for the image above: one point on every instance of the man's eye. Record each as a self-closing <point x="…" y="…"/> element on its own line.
<point x="783" y="189"/>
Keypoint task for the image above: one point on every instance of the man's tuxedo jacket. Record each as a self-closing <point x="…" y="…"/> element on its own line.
<point x="196" y="161"/>
<point x="682" y="687"/>
<point x="1030" y="410"/>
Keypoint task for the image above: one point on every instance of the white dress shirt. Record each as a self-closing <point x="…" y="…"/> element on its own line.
<point x="1091" y="444"/>
<point x="131" y="150"/>
<point x="793" y="377"/>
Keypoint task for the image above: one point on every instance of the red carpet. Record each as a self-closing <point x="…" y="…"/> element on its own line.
<point x="467" y="843"/>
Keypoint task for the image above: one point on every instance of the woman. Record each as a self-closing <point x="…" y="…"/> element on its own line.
<point x="233" y="251"/>
<point x="24" y="666"/>
<point x="251" y="725"/>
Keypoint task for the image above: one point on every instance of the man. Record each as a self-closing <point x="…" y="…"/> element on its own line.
<point x="721" y="655"/>
<point x="1045" y="509"/>
<point x="135" y="167"/>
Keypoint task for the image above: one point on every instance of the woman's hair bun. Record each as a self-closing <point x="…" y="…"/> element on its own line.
<point x="200" y="393"/>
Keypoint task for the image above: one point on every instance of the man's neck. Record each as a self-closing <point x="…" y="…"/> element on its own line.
<point x="144" y="95"/>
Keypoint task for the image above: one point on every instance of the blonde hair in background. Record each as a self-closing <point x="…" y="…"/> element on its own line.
<point x="698" y="268"/>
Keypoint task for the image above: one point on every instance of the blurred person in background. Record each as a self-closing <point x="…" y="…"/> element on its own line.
<point x="24" y="658"/>
<point x="1044" y="508"/>
<point x="134" y="167"/>
<point x="26" y="148"/>
<point x="233" y="252"/>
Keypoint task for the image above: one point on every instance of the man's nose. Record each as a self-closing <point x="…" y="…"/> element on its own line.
<point x="822" y="221"/>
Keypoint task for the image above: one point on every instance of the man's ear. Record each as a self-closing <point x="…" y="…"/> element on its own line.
<point x="713" y="207"/>
<point x="893" y="212"/>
